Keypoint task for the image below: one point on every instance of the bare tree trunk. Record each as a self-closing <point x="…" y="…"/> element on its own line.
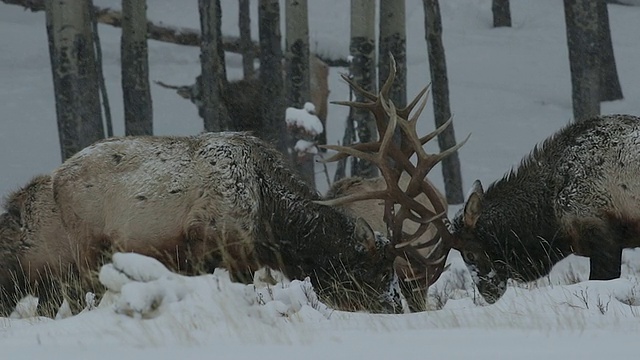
<point x="393" y="39"/>
<point x="246" y="44"/>
<point x="297" y="55"/>
<point x="362" y="49"/>
<point x="348" y="138"/>
<point x="138" y="109"/>
<point x="501" y="13"/>
<point x="441" y="108"/>
<point x="75" y="78"/>
<point x="213" y="76"/>
<point x="581" y="18"/>
<point x="108" y="123"/>
<point x="297" y="87"/>
<point x="271" y="82"/>
<point x="609" y="81"/>
<point x="319" y="84"/>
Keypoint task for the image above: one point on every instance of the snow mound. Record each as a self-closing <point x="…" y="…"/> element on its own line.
<point x="141" y="287"/>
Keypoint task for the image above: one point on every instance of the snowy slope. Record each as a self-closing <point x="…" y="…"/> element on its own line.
<point x="510" y="88"/>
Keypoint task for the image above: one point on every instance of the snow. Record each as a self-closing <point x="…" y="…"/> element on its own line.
<point x="305" y="119"/>
<point x="304" y="146"/>
<point x="509" y="88"/>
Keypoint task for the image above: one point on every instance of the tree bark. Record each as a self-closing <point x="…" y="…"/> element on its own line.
<point x="138" y="109"/>
<point x="362" y="67"/>
<point x="271" y="82"/>
<point x="297" y="87"/>
<point x="393" y="39"/>
<point x="441" y="108"/>
<point x="583" y="37"/>
<point x="501" y="13"/>
<point x="610" y="88"/>
<point x="213" y="77"/>
<point x="297" y="55"/>
<point x="246" y="44"/>
<point x="75" y="77"/>
<point x="108" y="122"/>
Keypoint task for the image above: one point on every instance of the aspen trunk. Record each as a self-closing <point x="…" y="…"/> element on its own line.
<point x="584" y="57"/>
<point x="75" y="77"/>
<point x="213" y="76"/>
<point x="441" y="108"/>
<point x="138" y="109"/>
<point x="363" y="69"/>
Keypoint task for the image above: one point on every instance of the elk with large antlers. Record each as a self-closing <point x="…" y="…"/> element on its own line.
<point x="231" y="200"/>
<point x="424" y="260"/>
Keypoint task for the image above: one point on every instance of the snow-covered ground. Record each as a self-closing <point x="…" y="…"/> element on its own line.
<point x="510" y="88"/>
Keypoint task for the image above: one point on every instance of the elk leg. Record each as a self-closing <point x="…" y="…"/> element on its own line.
<point x="605" y="264"/>
<point x="600" y="243"/>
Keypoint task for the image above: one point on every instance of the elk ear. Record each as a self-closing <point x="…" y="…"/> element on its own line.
<point x="473" y="205"/>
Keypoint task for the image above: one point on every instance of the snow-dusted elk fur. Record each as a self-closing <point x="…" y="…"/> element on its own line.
<point x="372" y="211"/>
<point x="33" y="244"/>
<point x="231" y="200"/>
<point x="219" y="199"/>
<point x="578" y="192"/>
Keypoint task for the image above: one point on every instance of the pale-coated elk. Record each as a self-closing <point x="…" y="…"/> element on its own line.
<point x="576" y="193"/>
<point x="231" y="200"/>
<point x="34" y="249"/>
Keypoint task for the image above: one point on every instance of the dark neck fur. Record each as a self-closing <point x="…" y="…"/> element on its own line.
<point x="308" y="239"/>
<point x="520" y="207"/>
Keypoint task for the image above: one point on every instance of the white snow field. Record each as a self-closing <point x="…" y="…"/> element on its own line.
<point x="510" y="88"/>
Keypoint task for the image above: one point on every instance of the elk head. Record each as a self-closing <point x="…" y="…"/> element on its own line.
<point x="421" y="263"/>
<point x="480" y="251"/>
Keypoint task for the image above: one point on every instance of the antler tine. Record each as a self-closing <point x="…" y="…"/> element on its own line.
<point x="436" y="132"/>
<point x="404" y="112"/>
<point x="354" y="152"/>
<point x="416" y="115"/>
<point x="367" y="94"/>
<point x="449" y="151"/>
<point x="356" y="104"/>
<point x="365" y="147"/>
<point x="387" y="138"/>
<point x="409" y="130"/>
<point x="388" y="84"/>
<point x="382" y="194"/>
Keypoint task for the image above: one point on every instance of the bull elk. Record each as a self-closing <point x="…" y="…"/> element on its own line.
<point x="576" y="193"/>
<point x="231" y="200"/>
<point x="373" y="211"/>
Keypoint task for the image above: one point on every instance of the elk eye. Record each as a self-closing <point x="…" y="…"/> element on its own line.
<point x="469" y="256"/>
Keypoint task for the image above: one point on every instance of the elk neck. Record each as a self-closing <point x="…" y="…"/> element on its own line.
<point x="518" y="212"/>
<point x="305" y="233"/>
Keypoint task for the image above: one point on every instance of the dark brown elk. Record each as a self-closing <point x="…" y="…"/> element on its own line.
<point x="576" y="193"/>
<point x="242" y="97"/>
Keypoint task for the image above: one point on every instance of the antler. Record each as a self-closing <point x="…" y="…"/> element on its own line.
<point x="425" y="261"/>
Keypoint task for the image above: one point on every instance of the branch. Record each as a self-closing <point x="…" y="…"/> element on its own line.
<point x="170" y="34"/>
